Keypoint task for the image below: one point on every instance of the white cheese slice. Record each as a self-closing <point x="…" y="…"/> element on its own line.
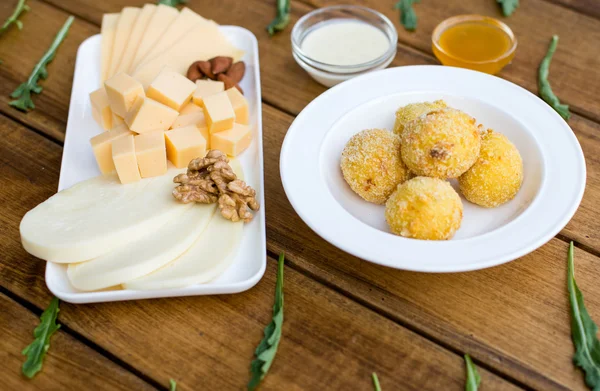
<point x="205" y="260"/>
<point x="184" y="22"/>
<point x="143" y="256"/>
<point x="109" y="26"/>
<point x="160" y="21"/>
<point x="210" y="256"/>
<point x="124" y="26"/>
<point x="137" y="33"/>
<point x="98" y="215"/>
<point x="202" y="42"/>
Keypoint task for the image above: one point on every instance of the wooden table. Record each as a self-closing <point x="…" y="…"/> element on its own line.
<point x="344" y="318"/>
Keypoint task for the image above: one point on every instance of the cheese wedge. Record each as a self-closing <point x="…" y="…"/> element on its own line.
<point x="160" y="21"/>
<point x="109" y="26"/>
<point x="177" y="29"/>
<point x="137" y="33"/>
<point x="188" y="49"/>
<point x="97" y="216"/>
<point x="205" y="260"/>
<point x="124" y="26"/>
<point x="143" y="256"/>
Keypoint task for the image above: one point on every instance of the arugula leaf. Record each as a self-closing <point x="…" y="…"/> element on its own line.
<point x="22" y="94"/>
<point x="172" y="385"/>
<point x="473" y="378"/>
<point x="376" y="384"/>
<point x="544" y="88"/>
<point x="172" y="3"/>
<point x="13" y="19"/>
<point x="583" y="330"/>
<point x="408" y="16"/>
<point x="266" y="350"/>
<point x="282" y="19"/>
<point x="508" y="6"/>
<point x="36" y="351"/>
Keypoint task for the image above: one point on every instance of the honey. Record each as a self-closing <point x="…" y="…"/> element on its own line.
<point x="475" y="42"/>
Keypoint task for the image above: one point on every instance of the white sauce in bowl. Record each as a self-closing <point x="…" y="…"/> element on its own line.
<point x="345" y="42"/>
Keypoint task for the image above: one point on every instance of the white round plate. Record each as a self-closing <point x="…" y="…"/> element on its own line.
<point x="553" y="184"/>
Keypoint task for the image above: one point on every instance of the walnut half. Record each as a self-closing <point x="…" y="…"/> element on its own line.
<point x="211" y="179"/>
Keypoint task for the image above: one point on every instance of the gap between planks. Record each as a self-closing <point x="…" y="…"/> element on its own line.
<point x="80" y="338"/>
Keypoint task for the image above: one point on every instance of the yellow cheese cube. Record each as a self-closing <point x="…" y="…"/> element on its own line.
<point x="184" y="144"/>
<point x="122" y="91"/>
<point x="102" y="147"/>
<point x="123" y="154"/>
<point x="196" y="118"/>
<point x="101" y="108"/>
<point x="191" y="107"/>
<point x="151" y="154"/>
<point x="218" y="112"/>
<point x="233" y="141"/>
<point x="171" y="89"/>
<point x="147" y="115"/>
<point x="240" y="105"/>
<point x="206" y="88"/>
<point x="117" y="120"/>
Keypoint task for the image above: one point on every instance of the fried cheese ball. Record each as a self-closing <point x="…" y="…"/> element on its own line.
<point x="372" y="166"/>
<point x="497" y="175"/>
<point x="424" y="208"/>
<point x="413" y="111"/>
<point x="441" y="144"/>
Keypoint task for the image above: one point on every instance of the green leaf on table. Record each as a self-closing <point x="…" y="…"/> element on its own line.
<point x="23" y="92"/>
<point x="408" y="16"/>
<point x="473" y="377"/>
<point x="14" y="17"/>
<point x="282" y="19"/>
<point x="583" y="330"/>
<point x="171" y="3"/>
<point x="36" y="351"/>
<point x="266" y="350"/>
<point x="172" y="385"/>
<point x="544" y="88"/>
<point x="376" y="385"/>
<point x="508" y="6"/>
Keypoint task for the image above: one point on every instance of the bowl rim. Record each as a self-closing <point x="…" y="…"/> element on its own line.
<point x="354" y="68"/>
<point x="458" y="19"/>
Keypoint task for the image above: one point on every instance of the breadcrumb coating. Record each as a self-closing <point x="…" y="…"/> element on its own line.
<point x="441" y="144"/>
<point x="372" y="166"/>
<point x="424" y="208"/>
<point x="497" y="175"/>
<point x="413" y="111"/>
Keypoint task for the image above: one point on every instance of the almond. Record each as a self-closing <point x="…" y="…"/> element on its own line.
<point x="194" y="72"/>
<point x="229" y="82"/>
<point x="220" y="64"/>
<point x="205" y="68"/>
<point x="237" y="70"/>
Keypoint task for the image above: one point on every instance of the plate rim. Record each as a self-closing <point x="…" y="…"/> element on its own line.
<point x="193" y="290"/>
<point x="351" y="248"/>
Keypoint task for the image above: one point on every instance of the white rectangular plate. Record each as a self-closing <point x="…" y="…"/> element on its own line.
<point x="78" y="164"/>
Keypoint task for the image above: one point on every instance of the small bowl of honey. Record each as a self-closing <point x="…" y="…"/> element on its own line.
<point x="475" y="42"/>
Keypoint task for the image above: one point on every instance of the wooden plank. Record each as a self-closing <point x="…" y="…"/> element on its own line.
<point x="575" y="70"/>
<point x="69" y="364"/>
<point x="22" y="49"/>
<point x="587" y="7"/>
<point x="207" y="342"/>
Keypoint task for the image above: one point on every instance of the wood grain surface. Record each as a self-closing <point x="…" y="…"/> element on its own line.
<point x="69" y="364"/>
<point x="345" y="318"/>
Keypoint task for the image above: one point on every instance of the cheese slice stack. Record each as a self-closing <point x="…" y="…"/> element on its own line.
<point x="142" y="41"/>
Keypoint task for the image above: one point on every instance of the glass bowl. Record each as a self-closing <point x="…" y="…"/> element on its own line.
<point x="331" y="74"/>
<point x="491" y="66"/>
